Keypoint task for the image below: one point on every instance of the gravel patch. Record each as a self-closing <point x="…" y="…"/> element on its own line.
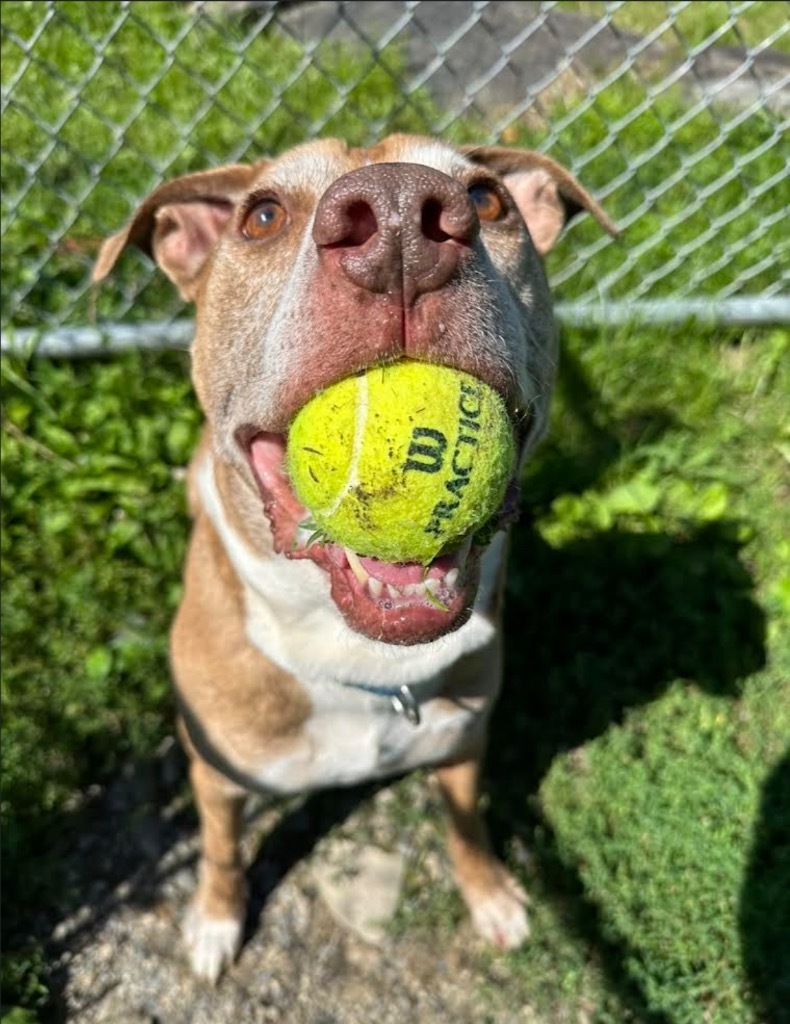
<point x="116" y="952"/>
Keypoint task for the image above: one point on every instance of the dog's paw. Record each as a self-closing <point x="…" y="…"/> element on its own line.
<point x="499" y="912"/>
<point x="212" y="942"/>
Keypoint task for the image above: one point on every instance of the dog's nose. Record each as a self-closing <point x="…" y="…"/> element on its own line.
<point x="400" y="229"/>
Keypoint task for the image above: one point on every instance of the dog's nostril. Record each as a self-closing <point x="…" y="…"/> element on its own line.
<point x="359" y="222"/>
<point x="344" y="225"/>
<point x="431" y="221"/>
<point x="363" y="220"/>
<point x="452" y="220"/>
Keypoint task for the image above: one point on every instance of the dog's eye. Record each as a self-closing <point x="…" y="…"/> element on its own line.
<point x="264" y="220"/>
<point x="487" y="202"/>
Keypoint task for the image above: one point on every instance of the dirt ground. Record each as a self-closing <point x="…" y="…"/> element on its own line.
<point x="117" y="951"/>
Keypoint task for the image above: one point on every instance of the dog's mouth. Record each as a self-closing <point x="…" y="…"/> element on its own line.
<point x="398" y="603"/>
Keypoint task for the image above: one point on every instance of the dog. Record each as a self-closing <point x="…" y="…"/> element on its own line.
<point x="300" y="665"/>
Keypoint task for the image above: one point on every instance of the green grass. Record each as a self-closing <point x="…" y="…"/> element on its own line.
<point x="694" y="23"/>
<point x="93" y="528"/>
<point x="636" y="777"/>
<point x="689" y="214"/>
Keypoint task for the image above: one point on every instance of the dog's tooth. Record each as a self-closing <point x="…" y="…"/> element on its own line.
<point x="451" y="578"/>
<point x="356" y="566"/>
<point x="376" y="587"/>
<point x="432" y="585"/>
<point x="393" y="591"/>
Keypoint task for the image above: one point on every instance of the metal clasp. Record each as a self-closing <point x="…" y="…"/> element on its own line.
<point x="404" y="703"/>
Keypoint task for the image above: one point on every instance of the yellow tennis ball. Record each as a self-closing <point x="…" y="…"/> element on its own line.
<point x="403" y="461"/>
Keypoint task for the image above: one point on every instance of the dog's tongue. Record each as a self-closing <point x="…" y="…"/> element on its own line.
<point x="389" y="572"/>
<point x="403" y="573"/>
<point x="268" y="457"/>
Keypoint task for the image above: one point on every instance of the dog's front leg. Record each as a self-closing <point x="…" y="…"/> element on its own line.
<point x="495" y="899"/>
<point x="215" y="920"/>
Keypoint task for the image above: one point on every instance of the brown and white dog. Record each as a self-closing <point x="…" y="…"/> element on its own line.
<point x="302" y="665"/>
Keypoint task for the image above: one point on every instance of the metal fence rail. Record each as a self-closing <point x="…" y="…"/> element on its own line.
<point x="674" y="114"/>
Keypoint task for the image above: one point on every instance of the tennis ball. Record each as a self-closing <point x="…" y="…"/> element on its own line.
<point x="403" y="461"/>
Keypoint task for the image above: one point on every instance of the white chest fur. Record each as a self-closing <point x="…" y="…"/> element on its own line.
<point x="353" y="736"/>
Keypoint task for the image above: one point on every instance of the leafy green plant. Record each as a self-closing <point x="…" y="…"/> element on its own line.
<point x="22" y="972"/>
<point x="93" y="536"/>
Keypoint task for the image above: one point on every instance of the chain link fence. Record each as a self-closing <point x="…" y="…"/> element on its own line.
<point x="673" y="114"/>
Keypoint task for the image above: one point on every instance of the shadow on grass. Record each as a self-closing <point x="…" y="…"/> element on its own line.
<point x="765" y="902"/>
<point x="604" y="624"/>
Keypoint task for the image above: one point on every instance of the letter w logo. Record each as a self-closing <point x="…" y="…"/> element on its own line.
<point x="426" y="451"/>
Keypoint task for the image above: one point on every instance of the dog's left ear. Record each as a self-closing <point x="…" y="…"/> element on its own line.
<point x="546" y="194"/>
<point x="180" y="222"/>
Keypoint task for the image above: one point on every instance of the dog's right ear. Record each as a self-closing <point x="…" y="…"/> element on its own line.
<point x="546" y="193"/>
<point x="180" y="222"/>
